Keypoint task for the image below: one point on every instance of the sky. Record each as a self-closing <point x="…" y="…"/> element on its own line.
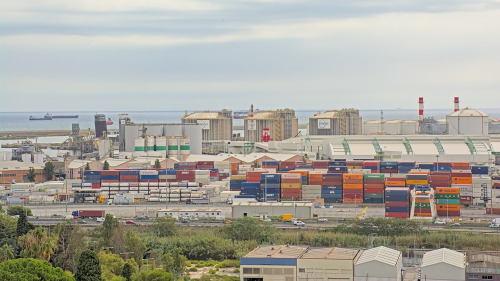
<point x="97" y="55"/>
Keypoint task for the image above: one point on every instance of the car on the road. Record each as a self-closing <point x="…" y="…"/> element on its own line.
<point x="184" y="221"/>
<point x="494" y="225"/>
<point x="268" y="220"/>
<point x="322" y="219"/>
<point x="142" y="218"/>
<point x="81" y="222"/>
<point x="456" y="224"/>
<point x="129" y="222"/>
<point x="100" y="219"/>
<point x="299" y="223"/>
<point x="440" y="222"/>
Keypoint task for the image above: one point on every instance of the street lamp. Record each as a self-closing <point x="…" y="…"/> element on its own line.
<point x="437" y="162"/>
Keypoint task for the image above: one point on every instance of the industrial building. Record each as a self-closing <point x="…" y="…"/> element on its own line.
<point x="17" y="172"/>
<point x="215" y="125"/>
<point x="190" y="213"/>
<point x="483" y="266"/>
<point x="327" y="263"/>
<point x="379" y="264"/>
<point x="467" y="122"/>
<point x="443" y="264"/>
<point x="336" y="122"/>
<point x="275" y="125"/>
<point x="183" y="138"/>
<point x="301" y="210"/>
<point x="271" y="263"/>
<point x="392" y="127"/>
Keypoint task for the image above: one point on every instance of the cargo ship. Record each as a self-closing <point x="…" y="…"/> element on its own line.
<point x="64" y="116"/>
<point x="49" y="116"/>
<point x="109" y="121"/>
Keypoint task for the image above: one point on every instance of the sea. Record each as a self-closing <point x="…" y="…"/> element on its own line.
<point x="19" y="121"/>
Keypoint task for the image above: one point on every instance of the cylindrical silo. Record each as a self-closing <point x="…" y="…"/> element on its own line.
<point x="139" y="144"/>
<point x="161" y="143"/>
<point x="173" y="147"/>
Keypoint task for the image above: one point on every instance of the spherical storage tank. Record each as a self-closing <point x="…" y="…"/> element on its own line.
<point x="467" y="122"/>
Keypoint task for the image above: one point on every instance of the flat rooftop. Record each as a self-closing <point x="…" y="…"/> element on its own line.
<point x="278" y="251"/>
<point x="330" y="253"/>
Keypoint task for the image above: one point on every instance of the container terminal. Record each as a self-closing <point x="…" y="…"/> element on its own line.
<point x="411" y="169"/>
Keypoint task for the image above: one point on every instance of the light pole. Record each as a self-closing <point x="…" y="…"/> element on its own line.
<point x="437" y="162"/>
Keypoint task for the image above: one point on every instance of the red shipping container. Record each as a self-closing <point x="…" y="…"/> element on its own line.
<point x="108" y="181"/>
<point x="388" y="171"/>
<point x="444" y="213"/>
<point x="353" y="181"/>
<point x="373" y="190"/>
<point x="373" y="185"/>
<point x="96" y="186"/>
<point x="397" y="204"/>
<point x="374" y="181"/>
<point x="129" y="177"/>
<point x="320" y="164"/>
<point x="354" y="163"/>
<point x="287" y="165"/>
<point x="422" y="210"/>
<point x="110" y="173"/>
<point x="495" y="211"/>
<point x="353" y="196"/>
<point x="439" y="178"/>
<point x="397" y="215"/>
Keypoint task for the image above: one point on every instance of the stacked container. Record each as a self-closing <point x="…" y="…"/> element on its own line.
<point x="315" y="178"/>
<point x="171" y="175"/>
<point x="186" y="175"/>
<point x="225" y="169"/>
<point x="395" y="182"/>
<point x="129" y="176"/>
<point x="338" y="170"/>
<point x="311" y="192"/>
<point x="460" y="166"/>
<point x="304" y="175"/>
<point x="422" y="205"/>
<point x="416" y="178"/>
<point x="320" y="165"/>
<point x="270" y="164"/>
<point x="354" y="164"/>
<point x="373" y="188"/>
<point x="442" y="166"/>
<point x="426" y="166"/>
<point x="186" y="165"/>
<point x="214" y="174"/>
<point x="291" y="184"/>
<point x="237" y="180"/>
<point x="205" y="165"/>
<point x="202" y="177"/>
<point x="397" y="202"/>
<point x="148" y="176"/>
<point x="448" y="201"/>
<point x="440" y="179"/>
<point x="405" y="167"/>
<point x="270" y="188"/>
<point x="389" y="167"/>
<point x="110" y="176"/>
<point x="253" y="176"/>
<point x="479" y="169"/>
<point x="462" y="179"/>
<point x="93" y="178"/>
<point x="331" y="190"/>
<point x="374" y="166"/>
<point x="353" y="188"/>
<point x="286" y="166"/>
<point x="235" y="167"/>
<point x="251" y="189"/>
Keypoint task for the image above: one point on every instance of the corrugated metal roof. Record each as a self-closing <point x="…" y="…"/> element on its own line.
<point x="203" y="115"/>
<point x="381" y="254"/>
<point x="77" y="163"/>
<point x="277" y="251"/>
<point x="330" y="253"/>
<point x="15" y="165"/>
<point x="249" y="158"/>
<point x="326" y="115"/>
<point x="468" y="112"/>
<point x="115" y="162"/>
<point x="444" y="255"/>
<point x="262" y="115"/>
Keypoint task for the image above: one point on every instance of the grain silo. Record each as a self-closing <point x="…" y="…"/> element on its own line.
<point x="467" y="122"/>
<point x="336" y="122"/>
<point x="282" y="124"/>
<point x="215" y="125"/>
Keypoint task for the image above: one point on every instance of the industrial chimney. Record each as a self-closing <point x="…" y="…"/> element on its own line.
<point x="420" y="113"/>
<point x="456" y="104"/>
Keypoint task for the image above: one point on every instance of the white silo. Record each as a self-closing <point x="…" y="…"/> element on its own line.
<point x="467" y="122"/>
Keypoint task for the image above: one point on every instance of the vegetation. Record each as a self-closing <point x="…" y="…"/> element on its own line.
<point x="49" y="170"/>
<point x="31" y="174"/>
<point x="37" y="244"/>
<point x="87" y="167"/>
<point x="18" y="210"/>
<point x="32" y="269"/>
<point x="23" y="225"/>
<point x="157" y="164"/>
<point x="88" y="267"/>
<point x="105" y="165"/>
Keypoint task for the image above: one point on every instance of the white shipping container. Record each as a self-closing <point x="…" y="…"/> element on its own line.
<point x="148" y="172"/>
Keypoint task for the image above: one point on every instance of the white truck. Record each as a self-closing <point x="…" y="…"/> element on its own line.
<point x="495" y="223"/>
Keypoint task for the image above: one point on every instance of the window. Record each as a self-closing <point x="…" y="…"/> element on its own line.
<point x="302" y="270"/>
<point x="473" y="276"/>
<point x="487" y="277"/>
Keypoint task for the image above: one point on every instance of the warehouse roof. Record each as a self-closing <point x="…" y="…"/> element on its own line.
<point x="330" y="253"/>
<point x="444" y="255"/>
<point x="326" y="115"/>
<point x="468" y="112"/>
<point x="78" y="163"/>
<point x="277" y="251"/>
<point x="16" y="165"/>
<point x="483" y="260"/>
<point x="249" y="158"/>
<point x="381" y="254"/>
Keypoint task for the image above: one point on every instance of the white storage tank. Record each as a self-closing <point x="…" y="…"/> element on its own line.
<point x="467" y="122"/>
<point x="185" y="146"/>
<point x="150" y="142"/>
<point x="139" y="144"/>
<point x="371" y="127"/>
<point x="173" y="146"/>
<point x="392" y="127"/>
<point x="161" y="143"/>
<point x="409" y="127"/>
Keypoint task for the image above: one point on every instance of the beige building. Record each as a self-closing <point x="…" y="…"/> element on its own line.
<point x="443" y="264"/>
<point x="215" y="125"/>
<point x="379" y="264"/>
<point x="336" y="122"/>
<point x="327" y="263"/>
<point x="282" y="125"/>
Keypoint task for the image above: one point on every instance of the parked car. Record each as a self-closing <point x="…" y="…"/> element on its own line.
<point x="456" y="224"/>
<point x="130" y="222"/>
<point x="268" y="220"/>
<point x="440" y="222"/>
<point x="322" y="219"/>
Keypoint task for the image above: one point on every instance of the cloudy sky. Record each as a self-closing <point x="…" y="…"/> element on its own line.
<point x="205" y="55"/>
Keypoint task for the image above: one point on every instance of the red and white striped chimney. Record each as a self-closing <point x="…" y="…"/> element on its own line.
<point x="421" y="109"/>
<point x="457" y="108"/>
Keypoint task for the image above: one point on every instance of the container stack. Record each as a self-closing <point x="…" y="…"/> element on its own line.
<point x="270" y="165"/>
<point x="186" y="176"/>
<point x="373" y="188"/>
<point x="205" y="165"/>
<point x="110" y="176"/>
<point x="462" y="179"/>
<point x="395" y="182"/>
<point x="374" y="166"/>
<point x="389" y="167"/>
<point x="405" y="167"/>
<point x="320" y="165"/>
<point x="225" y="169"/>
<point x="448" y="201"/>
<point x="481" y="189"/>
<point x="270" y="187"/>
<point x="214" y="175"/>
<point x="171" y="175"/>
<point x="353" y="188"/>
<point x="338" y="170"/>
<point x="440" y="179"/>
<point x="93" y="178"/>
<point x="202" y="177"/>
<point x="417" y="178"/>
<point x="442" y="166"/>
<point x="311" y="192"/>
<point x="129" y="176"/>
<point x="235" y="167"/>
<point x="236" y="181"/>
<point x="354" y="164"/>
<point x="460" y="166"/>
<point x="291" y="185"/>
<point x="422" y="205"/>
<point x="397" y="202"/>
<point x="479" y="169"/>
<point x="251" y="189"/>
<point x="331" y="190"/>
<point x="185" y="166"/>
<point x="315" y="178"/>
<point x="148" y="176"/>
<point x="494" y="205"/>
<point x="304" y="175"/>
<point x="285" y="166"/>
<point x="426" y="166"/>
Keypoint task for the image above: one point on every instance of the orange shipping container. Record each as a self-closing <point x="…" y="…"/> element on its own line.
<point x="302" y="173"/>
<point x="460" y="166"/>
<point x="352" y="201"/>
<point x="353" y="186"/>
<point x="420" y="200"/>
<point x="412" y="182"/>
<point x="352" y="176"/>
<point x="395" y="183"/>
<point x="354" y="181"/>
<point x="448" y="190"/>
<point x="461" y="180"/>
<point x="291" y="185"/>
<point x="448" y="207"/>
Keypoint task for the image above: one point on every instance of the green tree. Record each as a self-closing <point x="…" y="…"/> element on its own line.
<point x="31" y="174"/>
<point x="49" y="170"/>
<point x="17" y="210"/>
<point x="70" y="244"/>
<point x="107" y="230"/>
<point x="105" y="165"/>
<point x="37" y="244"/>
<point x="87" y="167"/>
<point x="23" y="225"/>
<point x="249" y="229"/>
<point x="111" y="265"/>
<point x="32" y="269"/>
<point x="127" y="271"/>
<point x="174" y="263"/>
<point x="157" y="164"/>
<point x="165" y="226"/>
<point x="8" y="226"/>
<point x="153" y="275"/>
<point x="134" y="244"/>
<point x="88" y="268"/>
<point x="6" y="253"/>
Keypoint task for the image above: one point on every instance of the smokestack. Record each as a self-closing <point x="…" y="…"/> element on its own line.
<point x="456" y="104"/>
<point x="421" y="109"/>
<point x="251" y="111"/>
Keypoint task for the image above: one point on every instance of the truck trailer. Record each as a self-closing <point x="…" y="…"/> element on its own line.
<point x="89" y="213"/>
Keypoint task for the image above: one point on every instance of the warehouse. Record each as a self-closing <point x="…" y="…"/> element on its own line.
<point x="336" y="122"/>
<point x="280" y="124"/>
<point x="271" y="263"/>
<point x="215" y="125"/>
<point x="327" y="263"/>
<point x="191" y="213"/>
<point x="483" y="266"/>
<point x="379" y="263"/>
<point x="300" y="210"/>
<point x="443" y="264"/>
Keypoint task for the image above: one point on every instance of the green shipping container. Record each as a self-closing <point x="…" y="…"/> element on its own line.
<point x="447" y="196"/>
<point x="374" y="176"/>
<point x="422" y="205"/>
<point x="448" y="201"/>
<point x="374" y="195"/>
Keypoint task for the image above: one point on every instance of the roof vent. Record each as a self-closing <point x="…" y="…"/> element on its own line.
<point x="272" y="248"/>
<point x="281" y="251"/>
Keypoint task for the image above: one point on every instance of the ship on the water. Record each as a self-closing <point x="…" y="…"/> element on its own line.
<point x="49" y="116"/>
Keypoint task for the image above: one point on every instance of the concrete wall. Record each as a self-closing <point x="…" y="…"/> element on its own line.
<point x="325" y="269"/>
<point x="258" y="211"/>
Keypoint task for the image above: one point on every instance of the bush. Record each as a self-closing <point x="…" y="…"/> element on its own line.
<point x="229" y="263"/>
<point x="193" y="269"/>
<point x="236" y="270"/>
<point x="212" y="271"/>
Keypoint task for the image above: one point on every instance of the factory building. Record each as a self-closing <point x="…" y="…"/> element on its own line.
<point x="156" y="137"/>
<point x="336" y="122"/>
<point x="275" y="125"/>
<point x="271" y="263"/>
<point x="442" y="265"/>
<point x="379" y="264"/>
<point x="392" y="127"/>
<point x="482" y="266"/>
<point x="17" y="172"/>
<point x="327" y="263"/>
<point x="215" y="125"/>
<point x="300" y="210"/>
<point x="467" y="122"/>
